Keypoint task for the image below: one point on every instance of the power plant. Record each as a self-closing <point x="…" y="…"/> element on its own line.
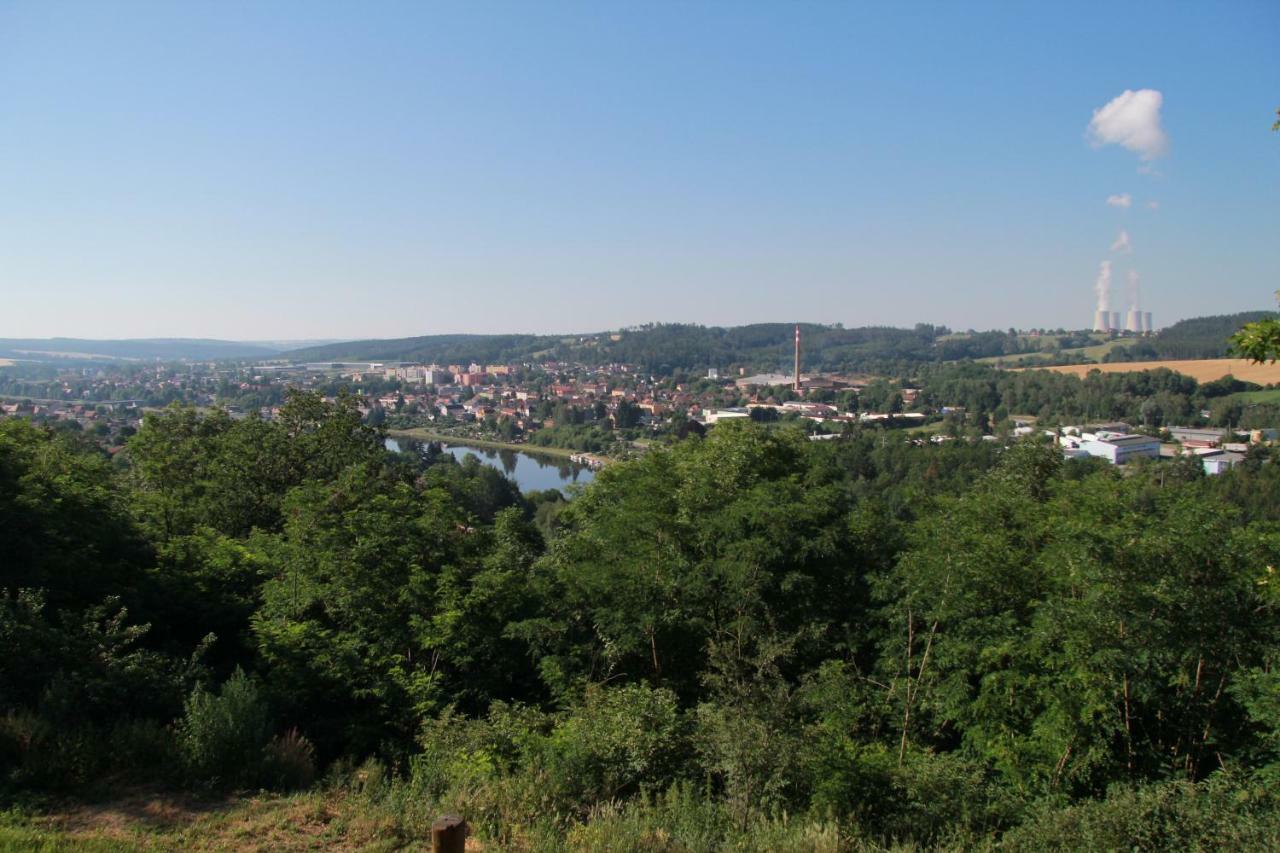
<point x="1135" y="321"/>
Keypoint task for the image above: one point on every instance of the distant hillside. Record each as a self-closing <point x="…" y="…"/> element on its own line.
<point x="1197" y="337"/>
<point x="667" y="347"/>
<point x="149" y="349"/>
<point x="488" y="349"/>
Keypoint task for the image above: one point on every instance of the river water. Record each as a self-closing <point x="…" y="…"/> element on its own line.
<point x="531" y="472"/>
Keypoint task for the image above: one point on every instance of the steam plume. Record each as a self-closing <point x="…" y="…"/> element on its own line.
<point x="1122" y="242"/>
<point x="1102" y="286"/>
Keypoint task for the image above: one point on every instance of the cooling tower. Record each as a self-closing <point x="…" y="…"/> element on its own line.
<point x="1146" y="322"/>
<point x="1115" y="321"/>
<point x="1101" y="321"/>
<point x="1133" y="321"/>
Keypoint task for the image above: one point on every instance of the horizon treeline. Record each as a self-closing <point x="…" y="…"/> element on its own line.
<point x="744" y="636"/>
<point x="664" y="348"/>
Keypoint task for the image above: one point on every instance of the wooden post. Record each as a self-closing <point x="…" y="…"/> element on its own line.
<point x="449" y="835"/>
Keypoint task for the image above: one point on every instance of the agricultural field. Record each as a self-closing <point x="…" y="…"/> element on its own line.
<point x="1097" y="351"/>
<point x="1202" y="370"/>
<point x="1093" y="352"/>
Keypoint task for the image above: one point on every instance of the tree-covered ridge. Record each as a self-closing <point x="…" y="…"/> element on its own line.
<point x="954" y="644"/>
<point x="443" y="349"/>
<point x="662" y="348"/>
<point x="1197" y="337"/>
<point x="666" y="348"/>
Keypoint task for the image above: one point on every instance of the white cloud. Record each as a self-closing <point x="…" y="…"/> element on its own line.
<point x="1153" y="205"/>
<point x="1131" y="120"/>
<point x="1122" y="242"/>
<point x="1121" y="200"/>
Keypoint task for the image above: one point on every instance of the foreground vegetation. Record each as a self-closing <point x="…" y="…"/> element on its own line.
<point x="746" y="640"/>
<point x="390" y="815"/>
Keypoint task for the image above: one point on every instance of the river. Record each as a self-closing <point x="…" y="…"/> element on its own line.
<point x="531" y="472"/>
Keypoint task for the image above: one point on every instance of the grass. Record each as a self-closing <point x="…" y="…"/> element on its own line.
<point x="150" y="820"/>
<point x="931" y="428"/>
<point x="344" y="819"/>
<point x="1097" y="351"/>
<point x="1271" y="395"/>
<point x="1094" y="352"/>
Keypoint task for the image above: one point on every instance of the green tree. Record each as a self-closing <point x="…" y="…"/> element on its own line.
<point x="346" y="627"/>
<point x="1258" y="341"/>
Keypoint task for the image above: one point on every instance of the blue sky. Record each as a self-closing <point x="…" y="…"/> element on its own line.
<point x="299" y="170"/>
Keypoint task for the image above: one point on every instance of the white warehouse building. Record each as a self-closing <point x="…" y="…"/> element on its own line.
<point x="1119" y="449"/>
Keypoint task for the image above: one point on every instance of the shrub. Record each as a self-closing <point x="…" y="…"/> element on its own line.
<point x="488" y="768"/>
<point x="925" y="798"/>
<point x="616" y="741"/>
<point x="682" y="820"/>
<point x="221" y="737"/>
<point x="289" y="762"/>
<point x="1220" y="813"/>
<point x="458" y="751"/>
<point x="144" y="749"/>
<point x="36" y="754"/>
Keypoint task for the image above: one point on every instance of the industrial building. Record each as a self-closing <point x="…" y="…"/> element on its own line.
<point x="1119" y="449"/>
<point x="1136" y="322"/>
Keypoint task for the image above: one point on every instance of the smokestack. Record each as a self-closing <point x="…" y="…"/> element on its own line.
<point x="797" y="373"/>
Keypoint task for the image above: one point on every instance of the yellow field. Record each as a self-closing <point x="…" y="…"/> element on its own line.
<point x="6" y="362"/>
<point x="1202" y="370"/>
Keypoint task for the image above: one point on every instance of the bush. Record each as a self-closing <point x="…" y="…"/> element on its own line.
<point x="36" y="754"/>
<point x="488" y="769"/>
<point x="616" y="741"/>
<point x="682" y="820"/>
<point x="927" y="797"/>
<point x="289" y="762"/>
<point x="221" y="737"/>
<point x="521" y="769"/>
<point x="1220" y="813"/>
<point x="144" y="749"/>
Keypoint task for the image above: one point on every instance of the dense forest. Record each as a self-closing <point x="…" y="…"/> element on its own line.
<point x="1151" y="398"/>
<point x="667" y="348"/>
<point x="664" y="348"/>
<point x="1197" y="337"/>
<point x="748" y="639"/>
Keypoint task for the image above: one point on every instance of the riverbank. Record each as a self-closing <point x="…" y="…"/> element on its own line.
<point x="423" y="434"/>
